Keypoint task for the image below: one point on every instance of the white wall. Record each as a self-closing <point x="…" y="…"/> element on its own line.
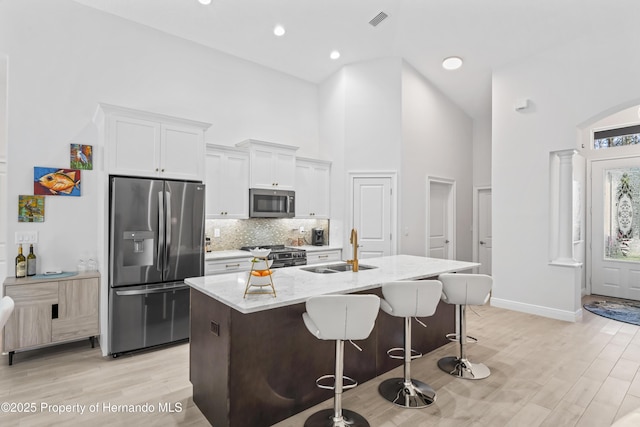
<point x="66" y="58"/>
<point x="382" y="115"/>
<point x="567" y="86"/>
<point x="436" y="142"/>
<point x="331" y="112"/>
<point x="360" y="125"/>
<point x="482" y="151"/>
<point x="4" y="256"/>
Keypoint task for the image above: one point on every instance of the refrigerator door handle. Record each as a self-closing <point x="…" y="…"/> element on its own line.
<point x="160" y="250"/>
<point x="168" y="234"/>
<point x="152" y="291"/>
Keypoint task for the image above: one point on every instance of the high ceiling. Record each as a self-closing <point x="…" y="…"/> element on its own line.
<point x="487" y="34"/>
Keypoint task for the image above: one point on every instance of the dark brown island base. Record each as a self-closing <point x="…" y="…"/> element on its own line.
<point x="254" y="363"/>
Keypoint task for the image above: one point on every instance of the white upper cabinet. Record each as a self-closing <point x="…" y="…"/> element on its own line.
<point x="313" y="188"/>
<point x="139" y="143"/>
<point x="272" y="166"/>
<point x="227" y="182"/>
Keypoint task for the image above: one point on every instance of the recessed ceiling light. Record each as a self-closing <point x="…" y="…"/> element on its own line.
<point x="279" y="30"/>
<point x="205" y="2"/>
<point x="452" y="63"/>
<point x="334" y="54"/>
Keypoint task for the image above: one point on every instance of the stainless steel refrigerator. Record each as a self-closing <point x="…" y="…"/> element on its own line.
<point x="156" y="230"/>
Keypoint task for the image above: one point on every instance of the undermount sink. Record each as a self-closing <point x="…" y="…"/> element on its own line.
<point x="336" y="268"/>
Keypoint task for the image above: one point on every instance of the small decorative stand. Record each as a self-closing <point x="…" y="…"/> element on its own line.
<point x="260" y="277"/>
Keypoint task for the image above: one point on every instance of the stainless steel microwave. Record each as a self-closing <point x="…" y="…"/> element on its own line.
<point x="271" y="203"/>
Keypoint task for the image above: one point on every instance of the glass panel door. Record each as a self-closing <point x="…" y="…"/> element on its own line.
<point x="622" y="206"/>
<point x="615" y="228"/>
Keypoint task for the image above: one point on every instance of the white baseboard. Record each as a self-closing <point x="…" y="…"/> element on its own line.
<point x="539" y="310"/>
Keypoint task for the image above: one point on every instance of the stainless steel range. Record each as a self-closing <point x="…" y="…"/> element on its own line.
<point x="283" y="256"/>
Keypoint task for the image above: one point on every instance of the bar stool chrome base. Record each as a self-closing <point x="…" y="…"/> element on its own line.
<point x="325" y="418"/>
<point x="414" y="394"/>
<point x="462" y="368"/>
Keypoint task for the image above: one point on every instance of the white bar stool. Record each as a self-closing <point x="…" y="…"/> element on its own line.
<point x="418" y="298"/>
<point x="340" y="318"/>
<point x="463" y="290"/>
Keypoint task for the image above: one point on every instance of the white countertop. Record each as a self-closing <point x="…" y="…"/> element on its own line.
<point x="294" y="285"/>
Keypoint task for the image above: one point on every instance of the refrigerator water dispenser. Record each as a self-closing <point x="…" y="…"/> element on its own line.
<point x="138" y="248"/>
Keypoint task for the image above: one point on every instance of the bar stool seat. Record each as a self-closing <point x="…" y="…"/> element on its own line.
<point x="407" y="299"/>
<point x="463" y="290"/>
<point x="340" y="318"/>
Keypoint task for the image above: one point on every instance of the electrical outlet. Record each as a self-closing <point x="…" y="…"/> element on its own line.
<point x="216" y="232"/>
<point x="26" y="237"/>
<point x="302" y="229"/>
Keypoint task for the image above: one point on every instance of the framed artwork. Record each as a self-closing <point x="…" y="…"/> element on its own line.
<point x="56" y="182"/>
<point x="30" y="208"/>
<point x="81" y="156"/>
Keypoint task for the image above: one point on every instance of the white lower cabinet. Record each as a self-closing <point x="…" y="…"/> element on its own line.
<point x="227" y="265"/>
<point x="51" y="311"/>
<point x="322" y="256"/>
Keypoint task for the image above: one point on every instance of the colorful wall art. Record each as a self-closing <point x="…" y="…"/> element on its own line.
<point x="56" y="182"/>
<point x="30" y="208"/>
<point x="81" y="156"/>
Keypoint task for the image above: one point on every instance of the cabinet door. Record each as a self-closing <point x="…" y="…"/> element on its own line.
<point x="134" y="146"/>
<point x="236" y="184"/>
<point x="227" y="184"/>
<point x="77" y="310"/>
<point x="214" y="172"/>
<point x="321" y="191"/>
<point x="262" y="168"/>
<point x="30" y="322"/>
<point x="313" y="183"/>
<point x="304" y="189"/>
<point x="284" y="169"/>
<point x="182" y="153"/>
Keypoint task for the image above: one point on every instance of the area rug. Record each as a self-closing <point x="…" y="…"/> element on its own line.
<point x="623" y="311"/>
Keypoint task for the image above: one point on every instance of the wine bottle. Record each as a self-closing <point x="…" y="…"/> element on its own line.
<point x="31" y="262"/>
<point x="21" y="264"/>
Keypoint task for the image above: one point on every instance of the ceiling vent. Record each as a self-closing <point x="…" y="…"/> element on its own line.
<point x="378" y="19"/>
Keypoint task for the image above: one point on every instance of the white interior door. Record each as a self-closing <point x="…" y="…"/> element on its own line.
<point x="372" y="215"/>
<point x="615" y="228"/>
<point x="484" y="231"/>
<point x="441" y="221"/>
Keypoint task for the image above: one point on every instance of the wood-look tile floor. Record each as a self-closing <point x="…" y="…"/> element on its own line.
<point x="544" y="372"/>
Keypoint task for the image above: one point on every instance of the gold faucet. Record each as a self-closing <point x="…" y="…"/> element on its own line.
<point x="354" y="242"/>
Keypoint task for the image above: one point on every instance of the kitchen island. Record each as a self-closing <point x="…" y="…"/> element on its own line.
<point x="254" y="363"/>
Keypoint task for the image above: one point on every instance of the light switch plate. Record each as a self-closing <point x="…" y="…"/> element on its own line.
<point x="26" y="237"/>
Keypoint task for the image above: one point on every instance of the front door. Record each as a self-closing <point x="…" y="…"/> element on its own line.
<point x="615" y="228"/>
<point x="372" y="215"/>
<point x="441" y="220"/>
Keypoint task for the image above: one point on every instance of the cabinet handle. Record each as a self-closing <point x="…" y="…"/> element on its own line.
<point x="232" y="265"/>
<point x="162" y="170"/>
<point x="323" y="256"/>
<point x="157" y="169"/>
<point x="54" y="311"/>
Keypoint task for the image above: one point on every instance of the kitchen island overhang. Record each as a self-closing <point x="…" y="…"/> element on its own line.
<point x="252" y="360"/>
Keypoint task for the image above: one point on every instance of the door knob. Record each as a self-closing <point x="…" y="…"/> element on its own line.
<point x="446" y="241"/>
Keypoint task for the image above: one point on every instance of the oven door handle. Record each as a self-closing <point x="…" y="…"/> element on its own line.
<point x="152" y="291"/>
